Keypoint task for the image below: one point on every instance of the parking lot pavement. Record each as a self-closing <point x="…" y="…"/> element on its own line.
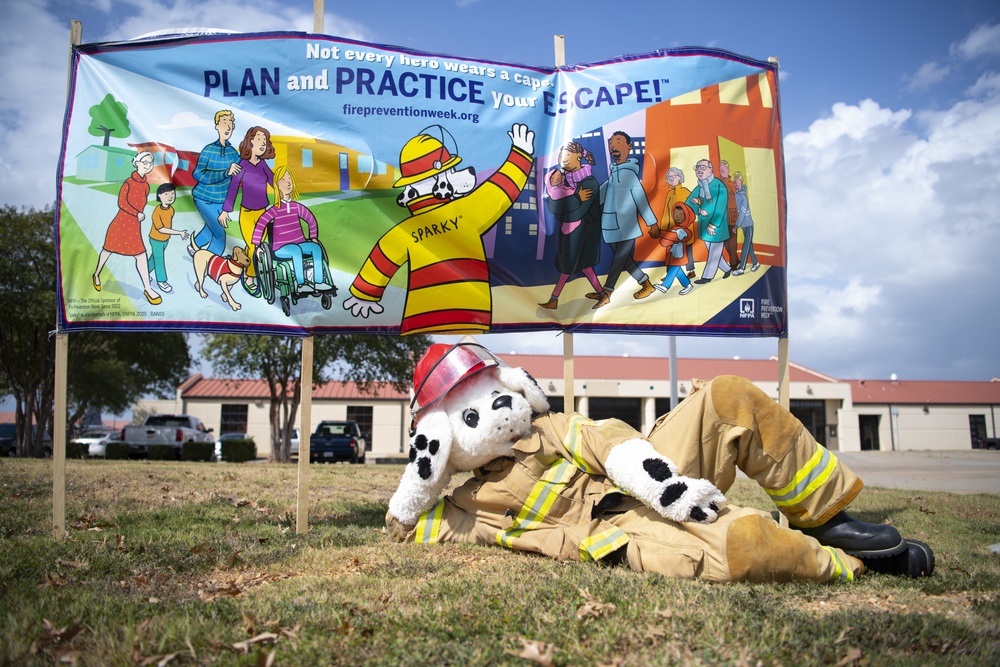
<point x="968" y="471"/>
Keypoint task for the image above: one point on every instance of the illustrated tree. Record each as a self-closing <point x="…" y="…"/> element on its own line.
<point x="109" y="119"/>
<point x="369" y="361"/>
<point x="106" y="370"/>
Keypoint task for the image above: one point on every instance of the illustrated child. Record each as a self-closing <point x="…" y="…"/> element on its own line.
<point x="287" y="240"/>
<point x="160" y="232"/>
<point x="673" y="239"/>
<point x="570" y="189"/>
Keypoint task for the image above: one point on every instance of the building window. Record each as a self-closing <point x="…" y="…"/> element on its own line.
<point x="977" y="430"/>
<point x="629" y="410"/>
<point x="868" y="424"/>
<point x="362" y="414"/>
<point x="233" y="418"/>
<point x="307" y="158"/>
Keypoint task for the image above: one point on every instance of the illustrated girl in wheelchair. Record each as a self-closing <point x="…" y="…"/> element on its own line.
<point x="289" y="264"/>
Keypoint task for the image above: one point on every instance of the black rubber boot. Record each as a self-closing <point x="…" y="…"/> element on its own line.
<point x="857" y="538"/>
<point x="917" y="560"/>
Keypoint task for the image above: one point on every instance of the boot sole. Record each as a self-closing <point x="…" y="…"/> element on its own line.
<point x="878" y="553"/>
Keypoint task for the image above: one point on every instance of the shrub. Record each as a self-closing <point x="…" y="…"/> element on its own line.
<point x="76" y="450"/>
<point x="238" y="451"/>
<point x="162" y="453"/>
<point x="116" y="450"/>
<point x="197" y="451"/>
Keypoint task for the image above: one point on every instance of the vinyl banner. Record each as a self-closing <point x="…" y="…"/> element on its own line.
<point x="294" y="183"/>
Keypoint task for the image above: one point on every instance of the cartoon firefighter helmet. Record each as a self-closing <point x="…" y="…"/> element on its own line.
<point x="443" y="367"/>
<point x="424" y="156"/>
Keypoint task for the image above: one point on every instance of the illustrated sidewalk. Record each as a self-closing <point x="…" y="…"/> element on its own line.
<point x="960" y="471"/>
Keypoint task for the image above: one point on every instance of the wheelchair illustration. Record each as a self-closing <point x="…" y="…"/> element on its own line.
<point x="276" y="279"/>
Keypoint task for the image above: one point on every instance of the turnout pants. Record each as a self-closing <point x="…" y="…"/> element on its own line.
<point x="723" y="425"/>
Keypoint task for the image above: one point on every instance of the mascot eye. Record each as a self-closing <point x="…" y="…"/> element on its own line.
<point x="471" y="418"/>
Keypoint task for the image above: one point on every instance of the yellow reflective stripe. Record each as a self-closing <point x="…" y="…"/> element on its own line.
<point x="840" y="571"/>
<point x="539" y="501"/>
<point x="596" y="547"/>
<point x="574" y="441"/>
<point x="429" y="525"/>
<point x="810" y="477"/>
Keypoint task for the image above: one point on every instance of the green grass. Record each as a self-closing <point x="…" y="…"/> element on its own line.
<point x="198" y="563"/>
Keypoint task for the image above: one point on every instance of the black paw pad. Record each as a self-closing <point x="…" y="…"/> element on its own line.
<point x="433" y="447"/>
<point x="672" y="493"/>
<point x="413" y="453"/>
<point x="657" y="469"/>
<point x="420" y="442"/>
<point x="424" y="467"/>
<point x="698" y="514"/>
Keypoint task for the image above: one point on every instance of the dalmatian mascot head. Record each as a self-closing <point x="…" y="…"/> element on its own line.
<point x="429" y="171"/>
<point x="469" y="408"/>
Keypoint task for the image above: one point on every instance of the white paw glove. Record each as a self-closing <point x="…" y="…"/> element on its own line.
<point x="426" y="475"/>
<point x="652" y="478"/>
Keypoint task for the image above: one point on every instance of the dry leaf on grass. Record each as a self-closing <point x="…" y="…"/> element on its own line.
<point x="535" y="651"/>
<point x="158" y="660"/>
<point x="593" y="607"/>
<point x="264" y="637"/>
<point x="852" y="656"/>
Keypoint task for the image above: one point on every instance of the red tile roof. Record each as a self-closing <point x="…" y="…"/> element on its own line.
<point x="200" y="387"/>
<point x="909" y="392"/>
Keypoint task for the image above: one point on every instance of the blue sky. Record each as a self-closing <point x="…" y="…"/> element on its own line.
<point x="891" y="117"/>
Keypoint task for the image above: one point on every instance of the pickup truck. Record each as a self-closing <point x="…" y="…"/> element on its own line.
<point x="173" y="430"/>
<point x="337" y="441"/>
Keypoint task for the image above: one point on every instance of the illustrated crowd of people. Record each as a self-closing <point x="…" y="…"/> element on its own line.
<point x="222" y="173"/>
<point x="589" y="213"/>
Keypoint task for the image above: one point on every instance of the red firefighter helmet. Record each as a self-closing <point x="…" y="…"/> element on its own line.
<point x="443" y="367"/>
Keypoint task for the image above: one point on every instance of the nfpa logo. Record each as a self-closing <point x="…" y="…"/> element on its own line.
<point x="747" y="309"/>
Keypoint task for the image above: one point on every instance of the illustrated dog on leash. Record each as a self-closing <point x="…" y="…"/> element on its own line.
<point x="226" y="271"/>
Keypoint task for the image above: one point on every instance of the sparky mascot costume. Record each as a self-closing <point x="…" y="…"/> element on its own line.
<point x="575" y="489"/>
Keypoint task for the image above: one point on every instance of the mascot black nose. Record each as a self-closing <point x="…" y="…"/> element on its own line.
<point x="502" y="402"/>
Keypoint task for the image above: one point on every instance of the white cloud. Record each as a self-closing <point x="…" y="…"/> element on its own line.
<point x="850" y="122"/>
<point x="32" y="98"/>
<point x="890" y="223"/>
<point x="928" y="74"/>
<point x="241" y="16"/>
<point x="983" y="41"/>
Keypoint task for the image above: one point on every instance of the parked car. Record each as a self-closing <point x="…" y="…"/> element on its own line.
<point x="173" y="430"/>
<point x="293" y="445"/>
<point x="8" y="439"/>
<point x="217" y="456"/>
<point x="337" y="441"/>
<point x="96" y="441"/>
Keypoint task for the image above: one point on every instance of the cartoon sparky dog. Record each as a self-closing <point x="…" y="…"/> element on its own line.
<point x="448" y="288"/>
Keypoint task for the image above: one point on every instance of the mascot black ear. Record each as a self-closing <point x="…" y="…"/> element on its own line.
<point x="519" y="380"/>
